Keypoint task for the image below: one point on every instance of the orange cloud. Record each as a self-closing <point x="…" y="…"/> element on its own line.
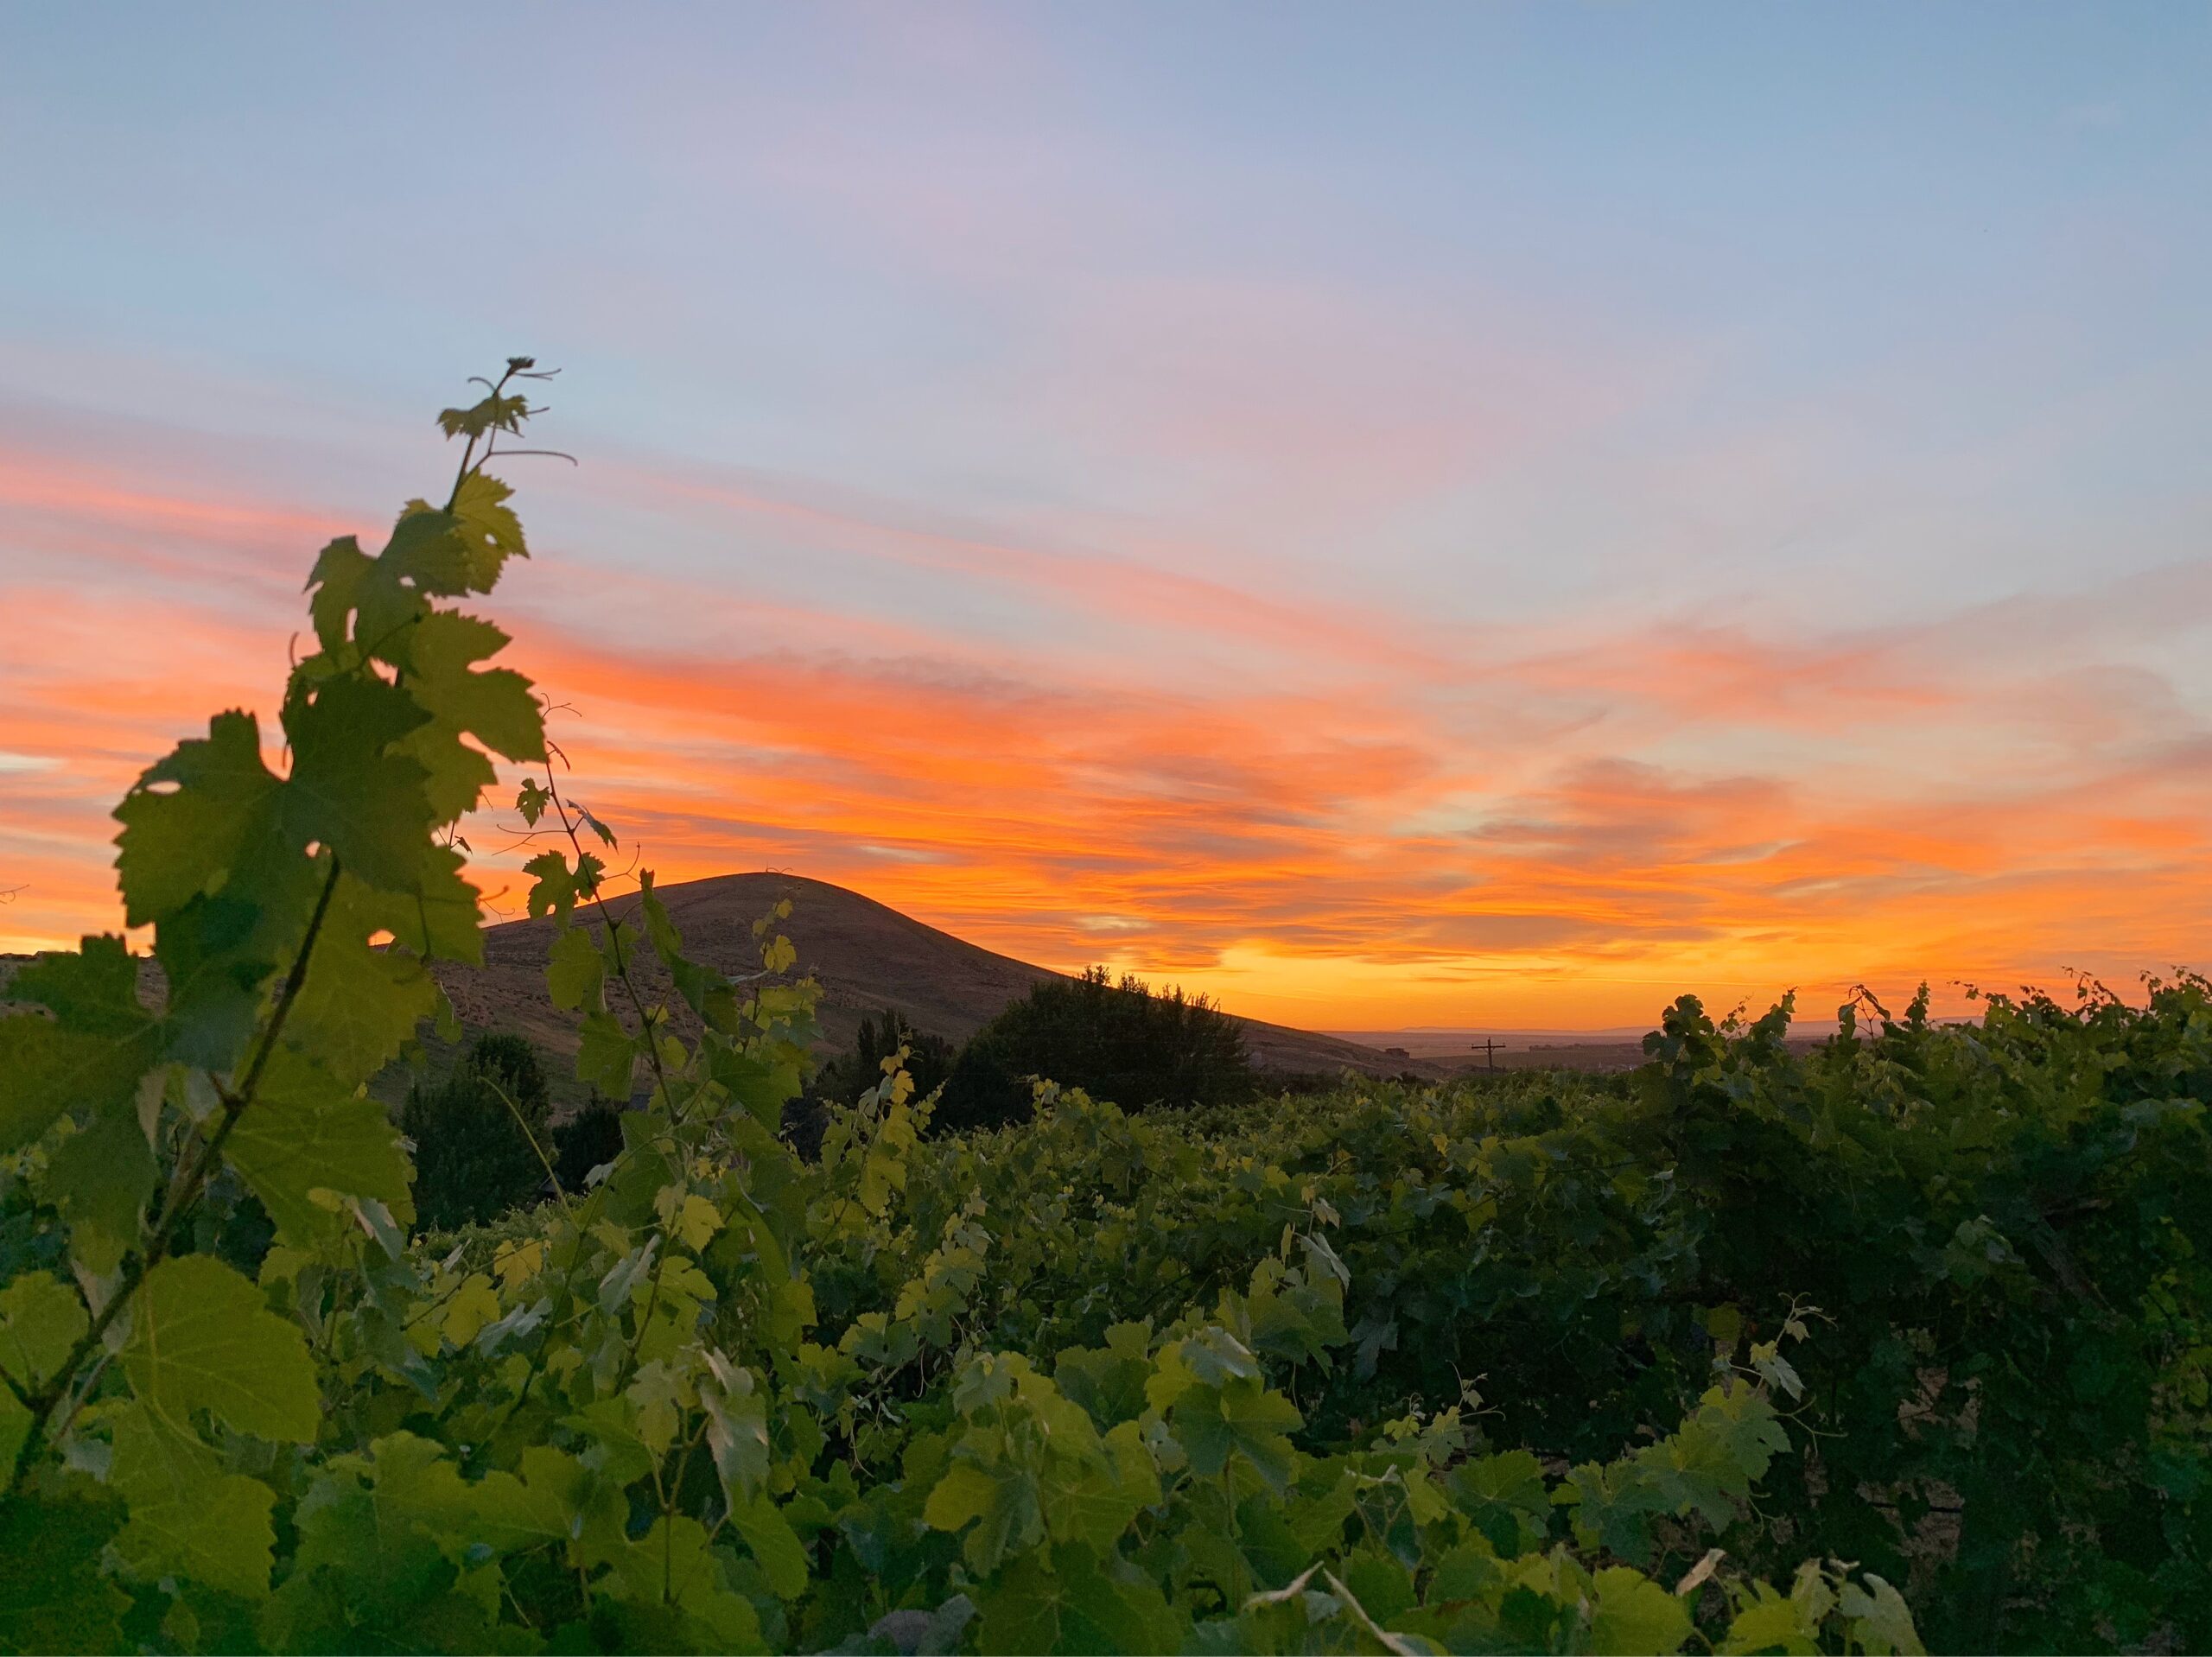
<point x="1336" y="817"/>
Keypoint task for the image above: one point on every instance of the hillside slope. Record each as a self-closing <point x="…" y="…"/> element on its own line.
<point x="866" y="956"/>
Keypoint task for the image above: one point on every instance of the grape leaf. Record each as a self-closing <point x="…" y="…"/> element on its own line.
<point x="40" y="1319"/>
<point x="425" y="555"/>
<point x="219" y="954"/>
<point x="487" y="526"/>
<point x="1880" y="1620"/>
<point x="774" y="1544"/>
<point x="348" y="791"/>
<point x="494" y="705"/>
<point x="574" y="972"/>
<point x="1072" y="1604"/>
<point x="671" y="1564"/>
<point x="440" y="919"/>
<point x="357" y="1006"/>
<point x="194" y="817"/>
<point x="335" y="584"/>
<point x="188" y="1517"/>
<point x="45" y="1070"/>
<point x="605" y="1056"/>
<point x="1241" y="1418"/>
<point x="203" y="1338"/>
<point x="1636" y="1615"/>
<point x="307" y="1132"/>
<point x="1005" y="1500"/>
<point x="93" y="989"/>
<point x="100" y="1176"/>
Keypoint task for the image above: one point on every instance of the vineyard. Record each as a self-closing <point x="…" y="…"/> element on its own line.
<point x="1903" y="1343"/>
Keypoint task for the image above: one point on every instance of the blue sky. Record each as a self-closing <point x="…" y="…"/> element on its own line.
<point x="1493" y="371"/>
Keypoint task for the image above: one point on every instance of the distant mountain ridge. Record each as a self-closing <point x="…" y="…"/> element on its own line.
<point x="866" y="956"/>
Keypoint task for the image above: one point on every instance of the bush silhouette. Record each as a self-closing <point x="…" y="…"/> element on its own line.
<point x="473" y="1161"/>
<point x="1116" y="1041"/>
<point x="845" y="1078"/>
<point x="589" y="1138"/>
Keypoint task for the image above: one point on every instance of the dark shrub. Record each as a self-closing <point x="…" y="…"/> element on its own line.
<point x="590" y="1137"/>
<point x="473" y="1161"/>
<point x="844" y="1078"/>
<point x="1119" y="1041"/>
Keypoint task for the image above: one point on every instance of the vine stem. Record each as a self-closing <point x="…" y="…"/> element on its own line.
<point x="652" y="1055"/>
<point x="184" y="1192"/>
<point x="544" y="1161"/>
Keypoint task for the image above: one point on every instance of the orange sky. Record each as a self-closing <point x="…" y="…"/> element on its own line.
<point x="1326" y="816"/>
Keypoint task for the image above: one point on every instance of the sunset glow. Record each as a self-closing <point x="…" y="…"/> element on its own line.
<point x="1105" y="553"/>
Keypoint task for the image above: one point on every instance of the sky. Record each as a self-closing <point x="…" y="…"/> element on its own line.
<point x="1485" y="517"/>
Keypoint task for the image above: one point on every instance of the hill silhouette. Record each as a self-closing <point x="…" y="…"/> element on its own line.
<point x="866" y="956"/>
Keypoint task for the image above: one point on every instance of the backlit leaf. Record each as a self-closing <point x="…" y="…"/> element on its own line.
<point x="188" y="1517"/>
<point x="203" y="1337"/>
<point x="305" y="1134"/>
<point x="191" y="819"/>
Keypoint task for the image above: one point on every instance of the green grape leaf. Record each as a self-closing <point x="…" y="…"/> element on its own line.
<point x="1241" y="1417"/>
<point x="426" y="552"/>
<point x="496" y="412"/>
<point x="40" y="1319"/>
<point x="219" y="955"/>
<point x="487" y="526"/>
<point x="440" y="919"/>
<point x="202" y="1337"/>
<point x="1881" y="1622"/>
<point x="1769" y="1620"/>
<point x="340" y="570"/>
<point x="454" y="775"/>
<point x="54" y="1596"/>
<point x="417" y="1484"/>
<point x="1005" y="1501"/>
<point x="193" y="818"/>
<point x="45" y="1070"/>
<point x="348" y="791"/>
<point x="737" y="1429"/>
<point x="1109" y="1382"/>
<point x="93" y="1051"/>
<point x="1094" y="1503"/>
<point x="1636" y="1615"/>
<point x="357" y="1006"/>
<point x="783" y="1559"/>
<point x="574" y="972"/>
<point x="556" y="887"/>
<point x="100" y="1176"/>
<point x="188" y="1517"/>
<point x="672" y="1566"/>
<point x="1072" y="1604"/>
<point x="494" y="705"/>
<point x="305" y="1134"/>
<point x="93" y="990"/>
<point x="605" y="1056"/>
<point x="556" y="1498"/>
<point x="1504" y="1497"/>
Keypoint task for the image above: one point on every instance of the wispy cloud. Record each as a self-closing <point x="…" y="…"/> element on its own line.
<point x="1256" y="792"/>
